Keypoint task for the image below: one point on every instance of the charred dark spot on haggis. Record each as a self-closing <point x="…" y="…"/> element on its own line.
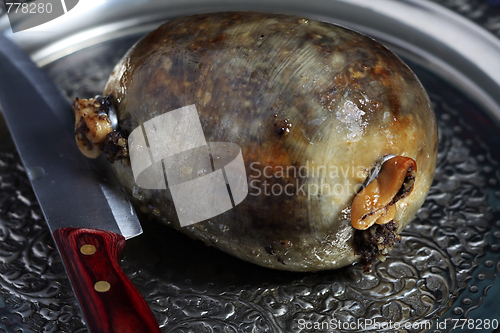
<point x="269" y="249"/>
<point x="375" y="243"/>
<point x="115" y="147"/>
<point x="105" y="102"/>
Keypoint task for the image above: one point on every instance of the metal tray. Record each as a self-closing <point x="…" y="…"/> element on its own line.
<point x="445" y="271"/>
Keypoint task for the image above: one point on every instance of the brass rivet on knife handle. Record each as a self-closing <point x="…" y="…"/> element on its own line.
<point x="107" y="296"/>
<point x="88" y="249"/>
<point x="124" y="310"/>
<point x="102" y="286"/>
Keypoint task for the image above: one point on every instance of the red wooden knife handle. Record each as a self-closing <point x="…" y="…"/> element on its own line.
<point x="109" y="300"/>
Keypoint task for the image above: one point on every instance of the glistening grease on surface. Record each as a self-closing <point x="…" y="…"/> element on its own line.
<point x="290" y="92"/>
<point x="447" y="261"/>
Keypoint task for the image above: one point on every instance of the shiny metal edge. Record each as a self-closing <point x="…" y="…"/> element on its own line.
<point x="450" y="45"/>
<point x="58" y="163"/>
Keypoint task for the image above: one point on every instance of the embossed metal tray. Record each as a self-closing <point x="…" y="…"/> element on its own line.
<point x="445" y="271"/>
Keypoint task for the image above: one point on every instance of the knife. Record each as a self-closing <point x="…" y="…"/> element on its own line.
<point x="86" y="210"/>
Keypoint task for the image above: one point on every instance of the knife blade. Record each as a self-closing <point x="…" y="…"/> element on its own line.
<point x="87" y="213"/>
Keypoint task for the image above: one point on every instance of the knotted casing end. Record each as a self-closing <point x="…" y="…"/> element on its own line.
<point x="375" y="203"/>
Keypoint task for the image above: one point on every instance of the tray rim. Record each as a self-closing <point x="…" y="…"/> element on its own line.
<point x="127" y="30"/>
<point x="476" y="73"/>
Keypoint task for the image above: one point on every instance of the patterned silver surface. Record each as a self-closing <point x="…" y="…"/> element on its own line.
<point x="485" y="13"/>
<point x="447" y="265"/>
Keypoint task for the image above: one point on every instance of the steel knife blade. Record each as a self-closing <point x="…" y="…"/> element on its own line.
<point x="85" y="208"/>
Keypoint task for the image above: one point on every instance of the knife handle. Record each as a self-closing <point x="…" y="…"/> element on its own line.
<point x="109" y="300"/>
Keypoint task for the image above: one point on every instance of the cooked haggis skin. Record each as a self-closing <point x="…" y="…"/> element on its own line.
<point x="293" y="94"/>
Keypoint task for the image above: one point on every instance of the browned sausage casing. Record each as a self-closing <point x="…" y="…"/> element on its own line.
<point x="291" y="92"/>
